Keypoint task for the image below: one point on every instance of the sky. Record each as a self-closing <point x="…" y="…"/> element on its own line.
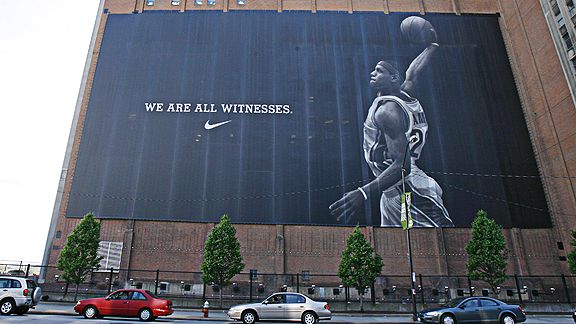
<point x="43" y="49"/>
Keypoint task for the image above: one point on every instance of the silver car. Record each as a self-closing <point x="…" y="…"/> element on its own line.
<point x="18" y="295"/>
<point x="283" y="306"/>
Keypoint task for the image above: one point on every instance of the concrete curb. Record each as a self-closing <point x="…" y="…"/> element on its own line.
<point x="219" y="315"/>
<point x="195" y="318"/>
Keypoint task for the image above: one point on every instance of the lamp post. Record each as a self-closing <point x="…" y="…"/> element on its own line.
<point x="412" y="139"/>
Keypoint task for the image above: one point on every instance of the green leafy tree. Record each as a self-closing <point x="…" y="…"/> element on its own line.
<point x="222" y="258"/>
<point x="80" y="254"/>
<point x="572" y="255"/>
<point x="487" y="252"/>
<point x="359" y="265"/>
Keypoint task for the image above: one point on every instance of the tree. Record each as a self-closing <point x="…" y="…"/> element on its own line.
<point x="487" y="252"/>
<point x="222" y="258"/>
<point x="359" y="265"/>
<point x="80" y="254"/>
<point x="572" y="255"/>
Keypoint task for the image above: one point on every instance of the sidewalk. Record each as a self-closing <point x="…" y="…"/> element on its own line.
<point x="58" y="308"/>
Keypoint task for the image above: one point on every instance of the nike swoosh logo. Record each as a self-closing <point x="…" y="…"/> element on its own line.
<point x="211" y="126"/>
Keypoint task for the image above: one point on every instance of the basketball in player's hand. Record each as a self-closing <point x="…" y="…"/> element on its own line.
<point x="418" y="30"/>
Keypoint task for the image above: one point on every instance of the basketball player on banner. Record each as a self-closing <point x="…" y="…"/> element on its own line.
<point x="396" y="126"/>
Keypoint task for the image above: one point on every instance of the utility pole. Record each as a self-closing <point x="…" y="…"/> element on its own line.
<point x="408" y="226"/>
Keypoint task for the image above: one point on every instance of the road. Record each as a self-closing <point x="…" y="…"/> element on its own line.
<point x="53" y="318"/>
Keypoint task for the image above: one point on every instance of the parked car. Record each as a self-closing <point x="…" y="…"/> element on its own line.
<point x="474" y="310"/>
<point x="18" y="295"/>
<point x="284" y="306"/>
<point x="125" y="303"/>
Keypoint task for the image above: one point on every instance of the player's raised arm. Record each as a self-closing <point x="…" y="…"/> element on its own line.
<point x="418" y="30"/>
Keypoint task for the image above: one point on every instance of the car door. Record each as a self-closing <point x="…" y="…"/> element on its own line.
<point x="295" y="306"/>
<point x="9" y="287"/>
<point x="16" y="290"/>
<point x="469" y="311"/>
<point x="136" y="303"/>
<point x="4" y="285"/>
<point x="489" y="310"/>
<point x="273" y="308"/>
<point x="118" y="303"/>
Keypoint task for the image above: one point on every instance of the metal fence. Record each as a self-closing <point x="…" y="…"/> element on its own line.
<point x="187" y="288"/>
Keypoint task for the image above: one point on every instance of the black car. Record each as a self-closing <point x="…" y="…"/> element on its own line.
<point x="474" y="310"/>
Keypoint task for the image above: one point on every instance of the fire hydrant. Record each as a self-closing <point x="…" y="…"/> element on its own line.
<point x="205" y="308"/>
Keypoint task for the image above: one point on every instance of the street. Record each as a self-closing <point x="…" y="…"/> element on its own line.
<point x="55" y="318"/>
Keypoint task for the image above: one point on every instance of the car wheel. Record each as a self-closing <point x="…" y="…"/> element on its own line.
<point x="508" y="319"/>
<point x="22" y="310"/>
<point x="248" y="317"/>
<point x="145" y="314"/>
<point x="90" y="312"/>
<point x="7" y="307"/>
<point x="447" y="319"/>
<point x="309" y="318"/>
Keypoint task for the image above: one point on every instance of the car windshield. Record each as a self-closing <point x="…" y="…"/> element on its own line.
<point x="151" y="294"/>
<point x="454" y="302"/>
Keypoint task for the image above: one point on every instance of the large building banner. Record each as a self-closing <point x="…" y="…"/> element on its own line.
<point x="303" y="118"/>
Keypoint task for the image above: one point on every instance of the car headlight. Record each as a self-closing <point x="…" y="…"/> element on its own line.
<point x="434" y="313"/>
<point x="78" y="303"/>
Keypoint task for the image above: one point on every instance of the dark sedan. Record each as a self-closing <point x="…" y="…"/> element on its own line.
<point x="474" y="310"/>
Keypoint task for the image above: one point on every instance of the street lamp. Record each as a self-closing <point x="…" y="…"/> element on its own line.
<point x="412" y="139"/>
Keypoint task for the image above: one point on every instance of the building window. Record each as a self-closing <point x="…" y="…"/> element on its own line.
<point x="568" y="41"/>
<point x="573" y="61"/>
<point x="111" y="253"/>
<point x="149" y="2"/>
<point x="555" y="8"/>
<point x="175" y="2"/>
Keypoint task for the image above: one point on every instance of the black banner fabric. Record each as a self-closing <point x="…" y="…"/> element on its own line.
<point x="271" y="118"/>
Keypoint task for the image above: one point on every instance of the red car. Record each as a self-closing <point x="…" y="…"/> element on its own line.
<point x="125" y="303"/>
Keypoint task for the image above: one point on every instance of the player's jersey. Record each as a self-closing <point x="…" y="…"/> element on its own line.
<point x="375" y="146"/>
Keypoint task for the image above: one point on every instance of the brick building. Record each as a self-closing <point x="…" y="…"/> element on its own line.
<point x="547" y="103"/>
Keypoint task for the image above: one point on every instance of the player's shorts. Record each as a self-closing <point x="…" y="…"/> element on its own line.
<point x="427" y="208"/>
